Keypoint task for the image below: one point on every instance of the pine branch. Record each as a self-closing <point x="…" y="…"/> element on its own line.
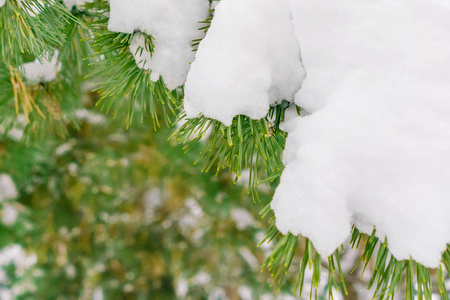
<point x="279" y="261"/>
<point x="48" y="107"/>
<point x="119" y="80"/>
<point x="246" y="144"/>
<point x="25" y="34"/>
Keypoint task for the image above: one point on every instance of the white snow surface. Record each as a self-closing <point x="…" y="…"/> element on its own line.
<point x="249" y="59"/>
<point x="375" y="149"/>
<point x="71" y="3"/>
<point x="45" y="72"/>
<point x="173" y="24"/>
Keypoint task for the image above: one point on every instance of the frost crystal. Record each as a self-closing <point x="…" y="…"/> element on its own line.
<point x="376" y="149"/>
<point x="173" y="24"/>
<point x="249" y="60"/>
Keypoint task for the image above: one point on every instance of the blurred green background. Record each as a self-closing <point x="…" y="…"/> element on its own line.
<point x="109" y="213"/>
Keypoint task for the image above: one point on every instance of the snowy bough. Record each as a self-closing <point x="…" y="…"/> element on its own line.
<point x="344" y="103"/>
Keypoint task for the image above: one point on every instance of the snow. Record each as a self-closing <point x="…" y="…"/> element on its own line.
<point x="33" y="8"/>
<point x="45" y="72"/>
<point x="16" y="255"/>
<point x="202" y="278"/>
<point x="214" y="4"/>
<point x="90" y="116"/>
<point x="173" y="24"/>
<point x="245" y="292"/>
<point x="182" y="288"/>
<point x="9" y="214"/>
<point x="6" y="294"/>
<point x="248" y="60"/>
<point x="373" y="147"/>
<point x="242" y="218"/>
<point x="15" y="134"/>
<point x="141" y="53"/>
<point x="217" y="293"/>
<point x="152" y="200"/>
<point x="97" y="294"/>
<point x="71" y="3"/>
<point x="7" y="188"/>
<point x="249" y="257"/>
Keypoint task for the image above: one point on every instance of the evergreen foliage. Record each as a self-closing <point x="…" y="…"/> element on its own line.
<point x="47" y="112"/>
<point x="122" y="85"/>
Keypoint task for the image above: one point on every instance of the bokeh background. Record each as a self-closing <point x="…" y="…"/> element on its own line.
<point x="110" y="213"/>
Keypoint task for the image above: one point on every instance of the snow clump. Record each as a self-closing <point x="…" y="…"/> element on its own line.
<point x="45" y="72"/>
<point x="173" y="24"/>
<point x="375" y="149"/>
<point x="249" y="60"/>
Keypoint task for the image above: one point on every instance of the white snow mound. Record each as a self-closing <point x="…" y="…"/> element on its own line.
<point x="249" y="59"/>
<point x="376" y="149"/>
<point x="173" y="24"/>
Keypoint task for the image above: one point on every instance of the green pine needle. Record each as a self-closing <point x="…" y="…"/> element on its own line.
<point x="120" y="82"/>
<point x="255" y="145"/>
